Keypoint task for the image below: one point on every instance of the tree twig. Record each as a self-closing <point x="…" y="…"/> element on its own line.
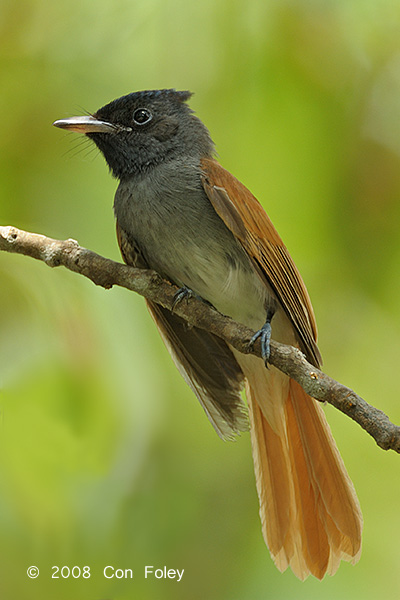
<point x="106" y="273"/>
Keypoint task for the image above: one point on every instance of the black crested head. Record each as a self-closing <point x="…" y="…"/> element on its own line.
<point x="149" y="127"/>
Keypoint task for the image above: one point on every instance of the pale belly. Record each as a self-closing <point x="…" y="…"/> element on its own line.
<point x="239" y="293"/>
<point x="183" y="239"/>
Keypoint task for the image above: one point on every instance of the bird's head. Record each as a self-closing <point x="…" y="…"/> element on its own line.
<point x="141" y="130"/>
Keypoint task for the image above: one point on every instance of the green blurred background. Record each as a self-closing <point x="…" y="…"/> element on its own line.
<point x="106" y="458"/>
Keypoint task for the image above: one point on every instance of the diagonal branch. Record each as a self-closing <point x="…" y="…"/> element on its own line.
<point x="106" y="273"/>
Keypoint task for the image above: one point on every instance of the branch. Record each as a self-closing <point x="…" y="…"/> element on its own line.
<point x="106" y="273"/>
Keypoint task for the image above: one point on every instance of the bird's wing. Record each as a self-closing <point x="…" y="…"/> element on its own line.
<point x="249" y="223"/>
<point x="204" y="360"/>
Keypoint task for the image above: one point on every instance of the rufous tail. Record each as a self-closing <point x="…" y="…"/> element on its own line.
<point x="311" y="518"/>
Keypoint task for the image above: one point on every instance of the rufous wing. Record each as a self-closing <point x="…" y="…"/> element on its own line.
<point x="249" y="223"/>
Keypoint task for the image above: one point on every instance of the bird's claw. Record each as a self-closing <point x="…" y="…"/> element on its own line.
<point x="265" y="338"/>
<point x="185" y="293"/>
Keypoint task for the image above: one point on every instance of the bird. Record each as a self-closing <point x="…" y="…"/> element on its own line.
<point x="182" y="214"/>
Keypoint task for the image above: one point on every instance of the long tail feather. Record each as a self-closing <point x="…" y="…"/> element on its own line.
<point x="310" y="514"/>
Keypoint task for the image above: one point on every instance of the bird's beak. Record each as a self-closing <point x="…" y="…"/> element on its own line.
<point x="86" y="124"/>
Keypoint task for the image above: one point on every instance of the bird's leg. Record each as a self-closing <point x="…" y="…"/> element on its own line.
<point x="265" y="337"/>
<point x="184" y="293"/>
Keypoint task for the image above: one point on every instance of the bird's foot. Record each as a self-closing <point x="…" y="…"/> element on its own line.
<point x="265" y="338"/>
<point x="185" y="293"/>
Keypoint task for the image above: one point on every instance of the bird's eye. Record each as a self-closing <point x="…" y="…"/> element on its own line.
<point x="142" y="116"/>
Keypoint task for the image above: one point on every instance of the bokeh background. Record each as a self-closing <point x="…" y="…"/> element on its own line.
<point x="105" y="456"/>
